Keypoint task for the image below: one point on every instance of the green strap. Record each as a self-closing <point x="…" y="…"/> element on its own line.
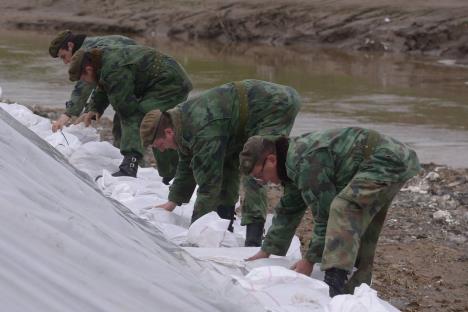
<point x="372" y="139"/>
<point x="243" y="107"/>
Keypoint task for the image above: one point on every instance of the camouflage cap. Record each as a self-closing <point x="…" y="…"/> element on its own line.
<point x="58" y="42"/>
<point x="149" y="126"/>
<point x="251" y="154"/>
<point x="75" y="68"/>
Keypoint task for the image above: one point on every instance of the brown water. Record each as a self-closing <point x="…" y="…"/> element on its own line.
<point x="421" y="101"/>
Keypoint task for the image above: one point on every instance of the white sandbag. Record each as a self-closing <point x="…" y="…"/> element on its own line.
<point x="280" y="289"/>
<point x="64" y="143"/>
<point x="294" y="250"/>
<point x="364" y="300"/>
<point x="93" y="157"/>
<point x="163" y="216"/>
<point x="174" y="233"/>
<point x="84" y="134"/>
<point x="185" y="212"/>
<point x="211" y="231"/>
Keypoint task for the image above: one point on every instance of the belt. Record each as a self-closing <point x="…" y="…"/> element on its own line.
<point x="243" y="107"/>
<point x="373" y="137"/>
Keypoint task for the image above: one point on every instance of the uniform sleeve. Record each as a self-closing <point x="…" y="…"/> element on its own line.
<point x="184" y="183"/>
<point x="288" y="215"/>
<point x="207" y="165"/>
<point x="120" y="89"/>
<point x="99" y="102"/>
<point x="79" y="95"/>
<point x="318" y="191"/>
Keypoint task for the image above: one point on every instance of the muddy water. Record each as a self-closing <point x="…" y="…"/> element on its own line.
<point x="421" y="101"/>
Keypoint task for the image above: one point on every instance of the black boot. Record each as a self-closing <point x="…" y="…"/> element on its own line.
<point x="227" y="212"/>
<point x="254" y="235"/>
<point x="128" y="167"/>
<point x="336" y="279"/>
<point x="167" y="180"/>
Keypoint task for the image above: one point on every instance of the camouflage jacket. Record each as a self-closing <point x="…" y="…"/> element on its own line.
<point x="208" y="130"/>
<point x="131" y="77"/>
<point x="77" y="101"/>
<point x="319" y="165"/>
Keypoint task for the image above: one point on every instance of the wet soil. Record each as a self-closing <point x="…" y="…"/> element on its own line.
<point x="430" y="27"/>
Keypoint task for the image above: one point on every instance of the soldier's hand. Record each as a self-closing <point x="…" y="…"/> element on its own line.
<point x="89" y="117"/>
<point x="80" y="119"/>
<point x="303" y="266"/>
<point x="60" y="122"/>
<point x="169" y="206"/>
<point x="259" y="255"/>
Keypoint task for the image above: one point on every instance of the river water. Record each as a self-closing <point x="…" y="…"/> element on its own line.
<point x="421" y="101"/>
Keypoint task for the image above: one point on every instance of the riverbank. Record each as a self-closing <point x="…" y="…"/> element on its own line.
<point x="422" y="254"/>
<point x="435" y="28"/>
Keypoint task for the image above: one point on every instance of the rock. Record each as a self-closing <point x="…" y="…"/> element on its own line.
<point x="432" y="176"/>
<point x="457" y="239"/>
<point x="442" y="216"/>
<point x="447" y="202"/>
<point x="400" y="303"/>
<point x="465" y="216"/>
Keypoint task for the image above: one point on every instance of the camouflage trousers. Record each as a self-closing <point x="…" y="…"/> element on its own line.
<point x="356" y="217"/>
<point x="116" y="130"/>
<point x="229" y="192"/>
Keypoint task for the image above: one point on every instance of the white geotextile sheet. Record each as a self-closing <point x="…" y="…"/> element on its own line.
<point x="268" y="280"/>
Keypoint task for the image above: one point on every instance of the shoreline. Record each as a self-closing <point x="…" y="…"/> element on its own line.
<point x="425" y="28"/>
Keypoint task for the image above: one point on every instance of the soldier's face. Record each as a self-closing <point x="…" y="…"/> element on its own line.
<point x="66" y="53"/>
<point x="166" y="142"/>
<point x="266" y="171"/>
<point x="88" y="75"/>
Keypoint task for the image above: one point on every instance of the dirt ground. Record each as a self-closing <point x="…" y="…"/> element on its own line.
<point x="430" y="27"/>
<point x="422" y="257"/>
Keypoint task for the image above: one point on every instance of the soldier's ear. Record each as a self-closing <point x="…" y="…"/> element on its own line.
<point x="169" y="132"/>
<point x="88" y="69"/>
<point x="272" y="159"/>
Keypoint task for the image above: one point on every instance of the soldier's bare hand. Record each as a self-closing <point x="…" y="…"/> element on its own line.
<point x="169" y="206"/>
<point x="89" y="117"/>
<point x="303" y="266"/>
<point x="80" y="119"/>
<point x="259" y="255"/>
<point x="60" y="122"/>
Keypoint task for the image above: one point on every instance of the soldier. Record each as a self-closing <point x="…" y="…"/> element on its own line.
<point x="134" y="80"/>
<point x="63" y="46"/>
<point x="348" y="177"/>
<point x="209" y="131"/>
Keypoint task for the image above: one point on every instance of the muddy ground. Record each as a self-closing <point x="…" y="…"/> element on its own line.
<point x="422" y="257"/>
<point x="429" y="27"/>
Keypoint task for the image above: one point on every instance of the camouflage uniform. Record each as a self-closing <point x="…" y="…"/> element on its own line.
<point x="136" y="80"/>
<point x="210" y="132"/>
<point x="348" y="177"/>
<point x="82" y="90"/>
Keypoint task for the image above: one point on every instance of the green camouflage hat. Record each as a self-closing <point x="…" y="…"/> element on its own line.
<point x="149" y="126"/>
<point x="251" y="154"/>
<point x="74" y="71"/>
<point x="58" y="42"/>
